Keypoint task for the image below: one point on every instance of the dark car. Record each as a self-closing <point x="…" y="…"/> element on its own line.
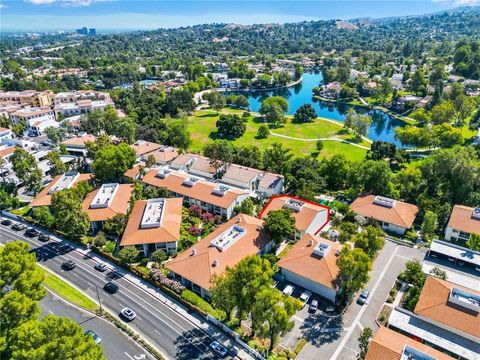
<point x="18" y="227"/>
<point x="100" y="267"/>
<point x="111" y="287"/>
<point x="6" y="222"/>
<point x="31" y="232"/>
<point x="69" y="265"/>
<point x="362" y="299"/>
<point x="44" y="237"/>
<point x="64" y="248"/>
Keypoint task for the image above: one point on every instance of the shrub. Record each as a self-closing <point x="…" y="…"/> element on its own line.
<point x="207" y="217"/>
<point x="202" y="304"/>
<point x="158" y="276"/>
<point x="110" y="247"/>
<point x="195" y="231"/>
<point x="195" y="210"/>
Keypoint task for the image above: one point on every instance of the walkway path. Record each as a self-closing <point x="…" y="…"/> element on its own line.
<point x="322" y="139"/>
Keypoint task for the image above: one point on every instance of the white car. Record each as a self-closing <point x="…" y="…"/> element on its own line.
<point x="289" y="289"/>
<point x="219" y="349"/>
<point x="128" y="314"/>
<point x="306" y="295"/>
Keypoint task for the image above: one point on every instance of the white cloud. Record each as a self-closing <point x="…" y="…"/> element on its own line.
<point x="63" y="2"/>
<point x="458" y="2"/>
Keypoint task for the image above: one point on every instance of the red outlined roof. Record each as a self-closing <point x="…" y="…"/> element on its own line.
<point x="260" y="216"/>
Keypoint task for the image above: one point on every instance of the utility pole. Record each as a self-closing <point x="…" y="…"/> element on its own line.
<point x="98" y="296"/>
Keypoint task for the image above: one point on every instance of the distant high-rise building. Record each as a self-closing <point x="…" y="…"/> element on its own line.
<point x="92" y="31"/>
<point x="82" y="31"/>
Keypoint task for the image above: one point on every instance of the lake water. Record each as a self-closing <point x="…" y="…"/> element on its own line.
<point x="383" y="125"/>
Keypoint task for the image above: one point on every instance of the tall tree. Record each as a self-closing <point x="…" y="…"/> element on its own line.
<point x="26" y="168"/>
<point x="370" y="240"/>
<point x="364" y="341"/>
<point x="277" y="159"/>
<point x="272" y="312"/>
<point x="57" y="166"/>
<point x="304" y="114"/>
<point x="474" y="242"/>
<point x="53" y="338"/>
<point x="112" y="161"/>
<point x="18" y="271"/>
<point x="354" y="267"/>
<point x="279" y="225"/>
<point x="66" y="207"/>
<point x="230" y="126"/>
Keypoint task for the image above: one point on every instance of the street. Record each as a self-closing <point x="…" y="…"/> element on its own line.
<point x="116" y="345"/>
<point x="336" y="337"/>
<point x="170" y="332"/>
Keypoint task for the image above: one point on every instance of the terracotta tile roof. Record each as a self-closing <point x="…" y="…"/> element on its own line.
<point x="7" y="151"/>
<point x="240" y="173"/>
<point x="433" y="304"/>
<point x="3" y="129"/>
<point x="202" y="164"/>
<point x="164" y="155"/>
<point x="182" y="160"/>
<point x="133" y="172"/>
<point x="303" y="218"/>
<point x="387" y="344"/>
<point x="79" y="141"/>
<point x="118" y="205"/>
<point x="301" y="260"/>
<point x="202" y="190"/>
<point x="142" y="147"/>
<point x="269" y="181"/>
<point x="25" y="112"/>
<point x="44" y="198"/>
<point x="401" y="214"/>
<point x="168" y="231"/>
<point x="200" y="268"/>
<point x="461" y="219"/>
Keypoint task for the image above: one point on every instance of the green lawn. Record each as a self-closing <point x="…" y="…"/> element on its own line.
<point x="203" y="130"/>
<point x="66" y="291"/>
<point x="21" y="211"/>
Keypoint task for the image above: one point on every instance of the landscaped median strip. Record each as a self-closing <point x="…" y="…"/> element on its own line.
<point x="67" y="292"/>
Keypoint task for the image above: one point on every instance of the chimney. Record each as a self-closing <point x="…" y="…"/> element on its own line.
<point x="310" y="242"/>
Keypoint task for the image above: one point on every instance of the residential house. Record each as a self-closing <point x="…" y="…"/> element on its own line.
<point x="154" y="224"/>
<point x="395" y="216"/>
<point x="464" y="221"/>
<point x="5" y="134"/>
<point x="77" y="145"/>
<point x="312" y="264"/>
<point x="143" y="147"/>
<point x="270" y="184"/>
<point x="58" y="183"/>
<point x="331" y="90"/>
<point x="106" y="202"/>
<point x="163" y="156"/>
<point x="310" y="217"/>
<point x="387" y="344"/>
<point x="215" y="198"/>
<point x="406" y="102"/>
<point x="242" y="176"/>
<point x="231" y="242"/>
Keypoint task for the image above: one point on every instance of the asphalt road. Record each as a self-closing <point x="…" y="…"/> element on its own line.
<point x="175" y="336"/>
<point x="116" y="345"/>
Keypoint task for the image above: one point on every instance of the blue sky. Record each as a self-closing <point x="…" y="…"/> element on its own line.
<point x="150" y="14"/>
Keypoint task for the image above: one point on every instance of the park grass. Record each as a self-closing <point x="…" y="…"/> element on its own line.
<point x="202" y="129"/>
<point x="66" y="291"/>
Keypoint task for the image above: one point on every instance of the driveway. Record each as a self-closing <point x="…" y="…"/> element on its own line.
<point x="336" y="338"/>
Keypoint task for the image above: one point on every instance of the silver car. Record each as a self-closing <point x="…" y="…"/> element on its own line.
<point x="128" y="314"/>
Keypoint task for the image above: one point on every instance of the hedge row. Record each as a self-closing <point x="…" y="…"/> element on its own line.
<point x="196" y="300"/>
<point x="130" y="333"/>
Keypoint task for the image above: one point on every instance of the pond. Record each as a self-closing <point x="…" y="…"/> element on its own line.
<point x="383" y="125"/>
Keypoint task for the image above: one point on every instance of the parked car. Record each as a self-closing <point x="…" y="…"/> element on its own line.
<point x="44" y="237"/>
<point x="31" y="232"/>
<point x="306" y="295"/>
<point x="69" y="265"/>
<point x="362" y="299"/>
<point x="46" y="143"/>
<point x="312" y="309"/>
<point x="18" y="227"/>
<point x="218" y="349"/>
<point x="100" y="267"/>
<point x="63" y="249"/>
<point x="128" y="314"/>
<point x="96" y="338"/>
<point x="111" y="287"/>
<point x="289" y="289"/>
<point x="6" y="222"/>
